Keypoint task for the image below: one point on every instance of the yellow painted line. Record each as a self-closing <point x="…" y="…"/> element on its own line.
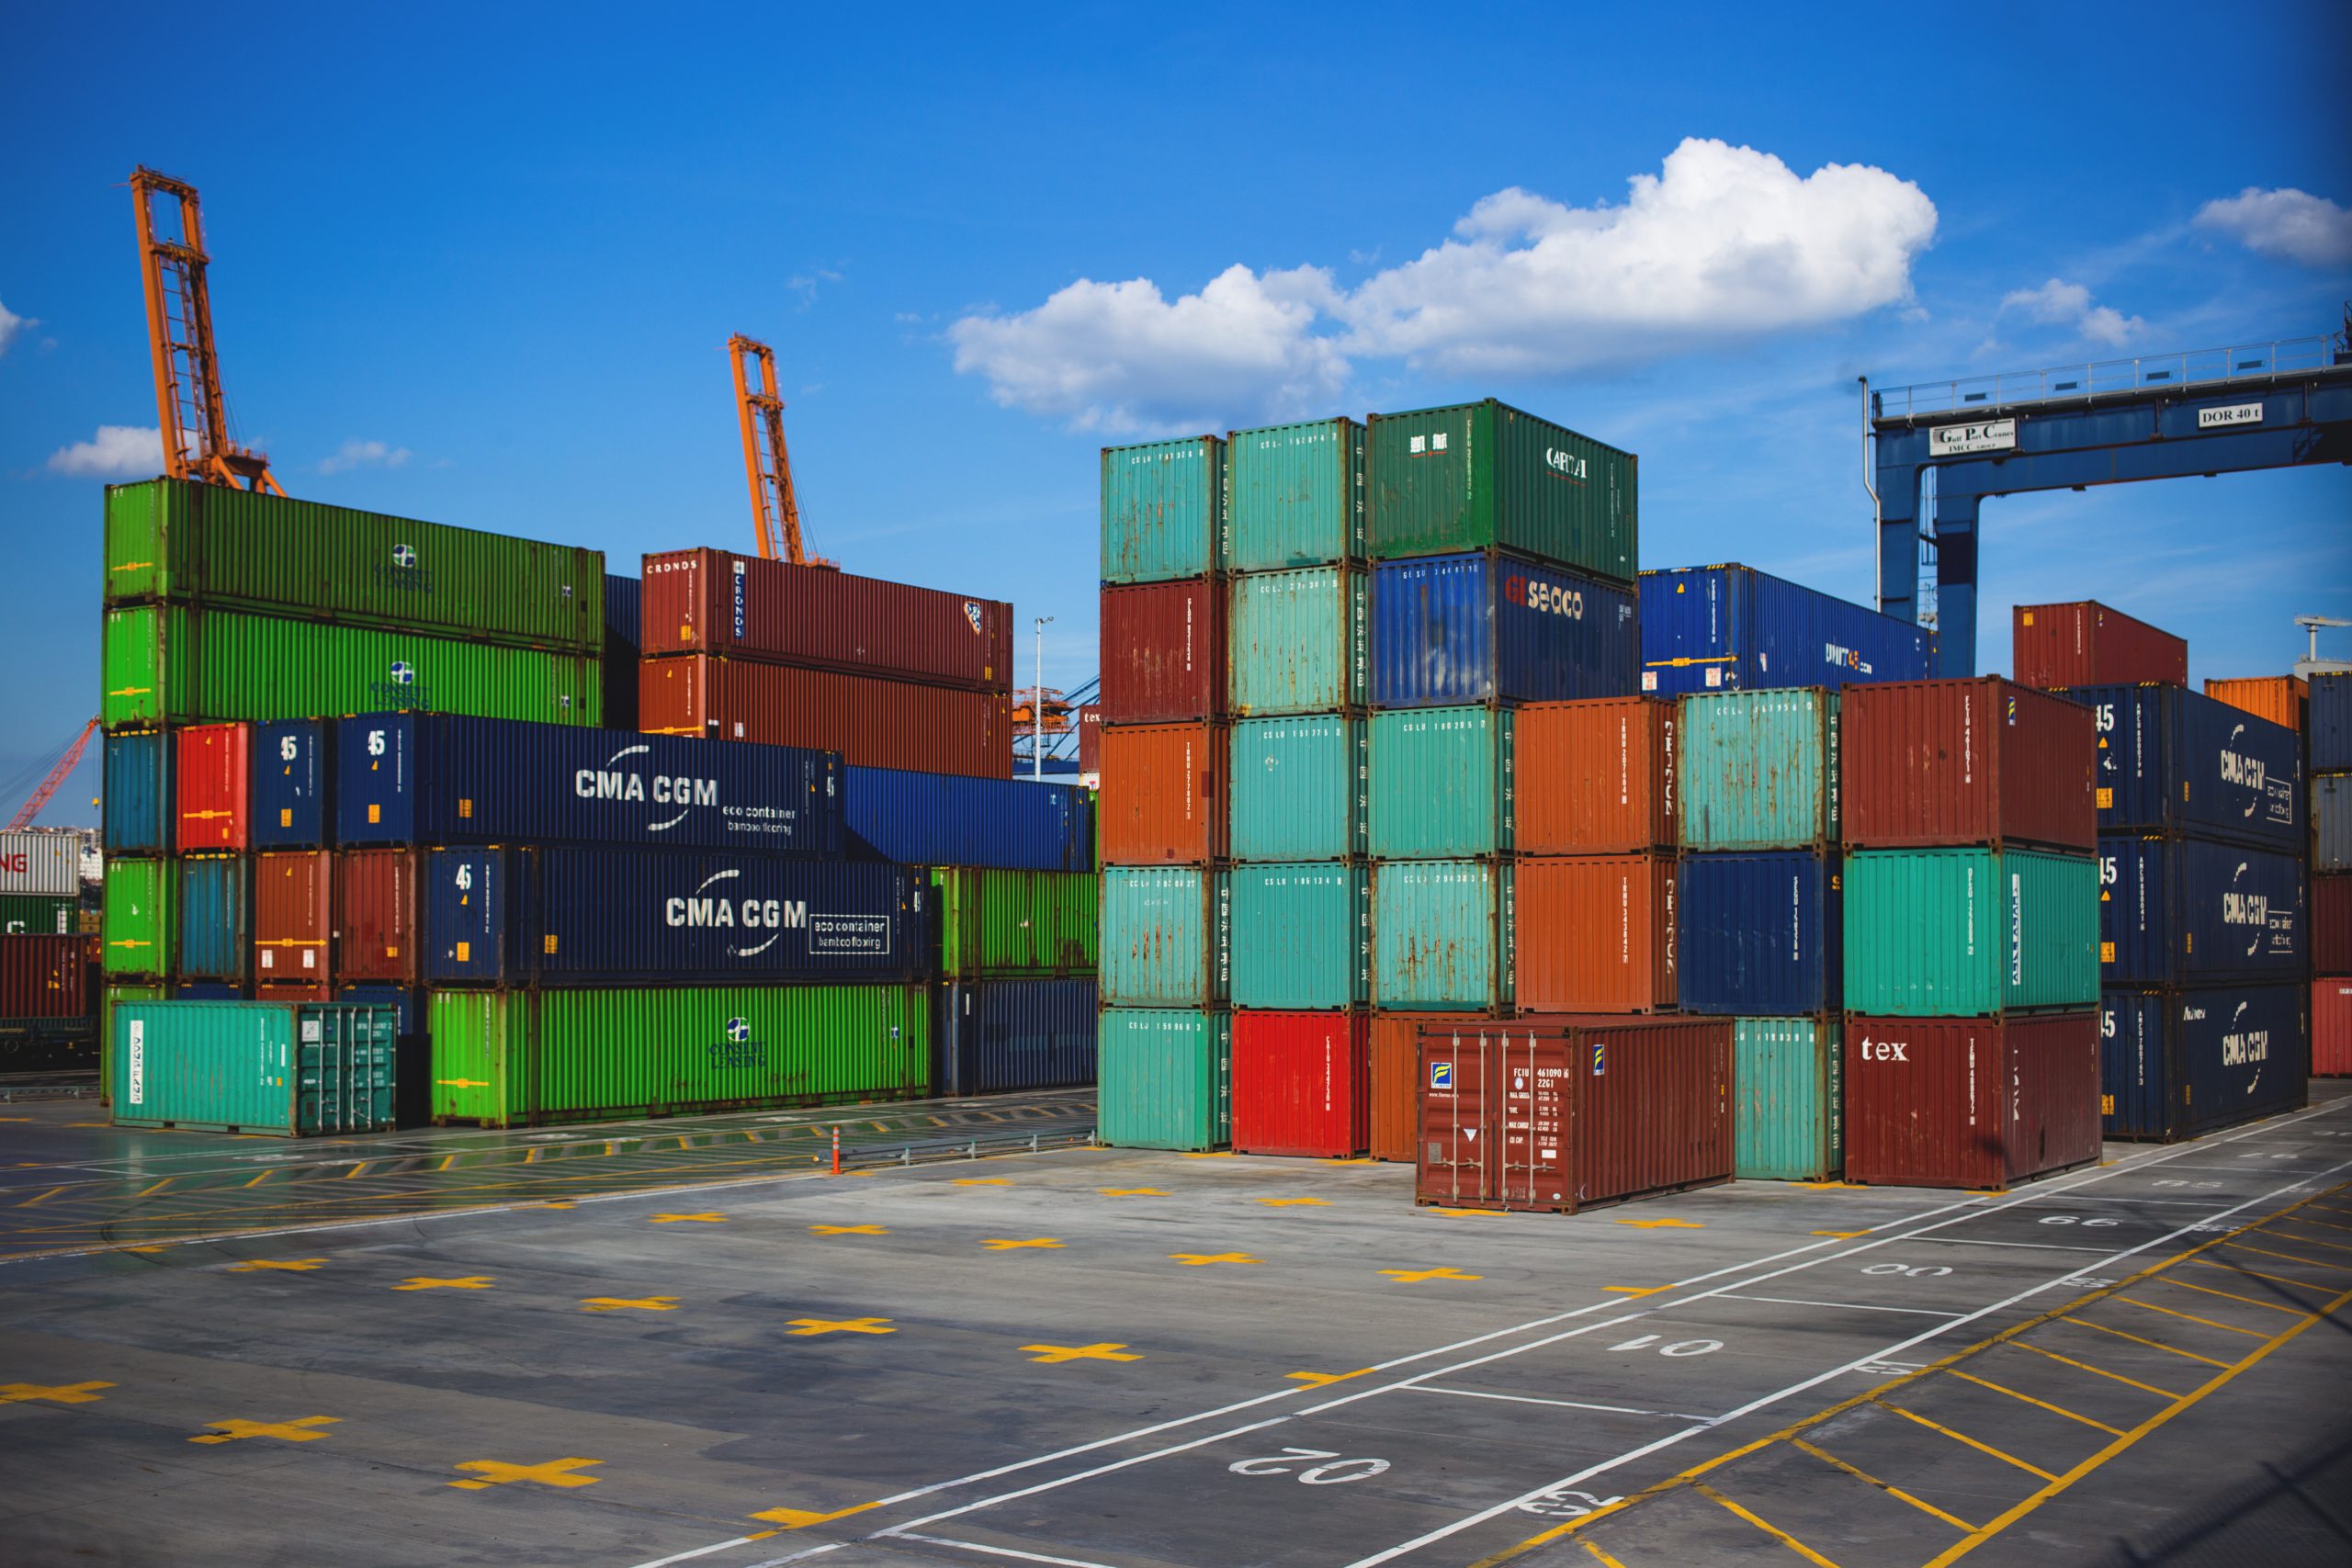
<point x="2189" y="1316"/>
<point x="1006" y="1244"/>
<point x="625" y="1304"/>
<point x="1636" y="1290"/>
<point x="2153" y="1344"/>
<point x="1783" y="1537"/>
<point x="2258" y="1274"/>
<point x="2298" y="1240"/>
<point x="1964" y="1437"/>
<point x="1133" y="1192"/>
<point x="1841" y="1236"/>
<point x="2291" y="1258"/>
<point x="1197" y="1259"/>
<point x="1888" y="1487"/>
<point x="157" y="1188"/>
<point x="257" y="1181"/>
<point x="2102" y="1371"/>
<point x="44" y="1197"/>
<point x="1662" y="1225"/>
<point x="1296" y="1202"/>
<point x="1417" y="1276"/>
<point x="800" y="1518"/>
<point x="2053" y="1409"/>
<point x="554" y="1473"/>
<point x="1055" y="1355"/>
<point x="1317" y="1379"/>
<point x="981" y="1181"/>
<point x="847" y="1230"/>
<point x="356" y="1169"/>
<point x="2228" y="1295"/>
<point x="1597" y="1555"/>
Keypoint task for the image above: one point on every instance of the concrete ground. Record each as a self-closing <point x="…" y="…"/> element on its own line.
<point x="717" y="1354"/>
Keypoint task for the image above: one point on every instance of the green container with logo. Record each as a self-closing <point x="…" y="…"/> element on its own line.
<point x="1294" y="495"/>
<point x="1298" y="788"/>
<point x="1788" y="1114"/>
<point x="1003" y="923"/>
<point x="1441" y="782"/>
<point x="1165" y="1078"/>
<point x="296" y="1069"/>
<point x="1163" y="509"/>
<point x="38" y="914"/>
<point x="1302" y="935"/>
<point x="1759" y="770"/>
<point x="1298" y="641"/>
<point x="1970" y="932"/>
<point x="1483" y="476"/>
<point x="137" y="926"/>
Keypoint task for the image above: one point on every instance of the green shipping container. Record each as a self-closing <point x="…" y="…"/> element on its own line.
<point x="1484" y="475"/>
<point x="1163" y="509"/>
<point x="109" y="1000"/>
<point x="1759" y="770"/>
<point x="300" y="1070"/>
<point x="1165" y="1078"/>
<point x="216" y="544"/>
<point x="1444" y="936"/>
<point x="994" y="923"/>
<point x="1298" y="788"/>
<point x="1962" y="934"/>
<point x="135" y="932"/>
<point x="1295" y="495"/>
<point x="1441" y="782"/>
<point x="1298" y="641"/>
<point x="1165" y="936"/>
<point x="36" y="914"/>
<point x="1302" y="936"/>
<point x="1789" y="1117"/>
<point x="177" y="664"/>
<point x="520" y="1058"/>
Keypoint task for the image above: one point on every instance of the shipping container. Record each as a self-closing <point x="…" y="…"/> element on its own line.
<point x="1297" y="641"/>
<point x="2331" y="723"/>
<point x="379" y="931"/>
<point x="1394" y="1070"/>
<point x="1707" y="628"/>
<point x="142" y="897"/>
<point x="1444" y="936"/>
<point x="1004" y="1035"/>
<point x="110" y="998"/>
<point x="2332" y="1026"/>
<point x="2281" y="699"/>
<point x="1788" y="1093"/>
<point x="873" y="723"/>
<point x="2184" y="912"/>
<point x="1441" y="782"/>
<point x="39" y="914"/>
<point x="1163" y="652"/>
<point x="519" y="1058"/>
<point x="1295" y="495"/>
<point x="1300" y="1084"/>
<point x="137" y="791"/>
<point x="415" y="779"/>
<point x="2179" y="1063"/>
<point x="1493" y="627"/>
<point x="1558" y="1115"/>
<point x="2086" y="644"/>
<point x="1162" y="801"/>
<point x="993" y="922"/>
<point x="1600" y="776"/>
<point x="1596" y="934"/>
<point x="949" y="819"/>
<point x="1165" y="1078"/>
<point x="1976" y="1104"/>
<point x="209" y="991"/>
<point x="1089" y="739"/>
<point x="1483" y="474"/>
<point x="2332" y="924"/>
<point x="1302" y="936"/>
<point x="1761" y="934"/>
<point x="624" y="646"/>
<point x="182" y="664"/>
<point x="294" y="915"/>
<point x="1163" y="509"/>
<point x="289" y="991"/>
<point x="775" y="612"/>
<point x="45" y="977"/>
<point x="1165" y="936"/>
<point x="293" y="767"/>
<point x="215" y="920"/>
<point x="1977" y="761"/>
<point x="253" y="1068"/>
<point x="2332" y="822"/>
<point x="1957" y="933"/>
<point x="1297" y="789"/>
<point x="407" y="1003"/>
<point x="1760" y="770"/>
<point x="213" y="805"/>
<point x="2173" y="761"/>
<point x="41" y="862"/>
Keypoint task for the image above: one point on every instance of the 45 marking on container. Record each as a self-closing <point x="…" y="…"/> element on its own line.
<point x="1678" y="1347"/>
<point x="1323" y="1468"/>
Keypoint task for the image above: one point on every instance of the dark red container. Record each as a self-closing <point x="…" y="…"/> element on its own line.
<point x="377" y="911"/>
<point x="1394" y="1057"/>
<point x="44" y="976"/>
<point x="1089" y="739"/>
<point x="1595" y="933"/>
<point x="1976" y="762"/>
<point x="873" y="723"/>
<point x="1558" y="1115"/>
<point x="214" y="796"/>
<point x="1163" y="652"/>
<point x="2332" y="924"/>
<point x="2332" y="1026"/>
<point x="2086" y="644"/>
<point x="294" y="915"/>
<point x="1163" y="799"/>
<point x="745" y="607"/>
<point x="1970" y="1103"/>
<point x="285" y="993"/>
<point x="1596" y="777"/>
<point x="1301" y="1084"/>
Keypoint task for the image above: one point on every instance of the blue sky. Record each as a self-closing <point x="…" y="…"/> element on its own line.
<point x="475" y="264"/>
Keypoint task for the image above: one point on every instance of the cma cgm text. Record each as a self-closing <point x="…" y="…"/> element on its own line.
<point x="592" y="784"/>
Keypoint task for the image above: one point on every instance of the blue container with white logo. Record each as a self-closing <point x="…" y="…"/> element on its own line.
<point x="427" y="779"/>
<point x="2178" y="762"/>
<point x="920" y="818"/>
<point x="1720" y="629"/>
<point x="1761" y="935"/>
<point x="996" y="1036"/>
<point x="2188" y="913"/>
<point x="292" y="770"/>
<point x="2177" y="1064"/>
<point x="1488" y="626"/>
<point x="137" y="787"/>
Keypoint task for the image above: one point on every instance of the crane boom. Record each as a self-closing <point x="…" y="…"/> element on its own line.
<point x="31" y="808"/>
<point x="775" y="511"/>
<point x="193" y="411"/>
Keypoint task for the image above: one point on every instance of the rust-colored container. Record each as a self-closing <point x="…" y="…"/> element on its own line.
<point x="1970" y="1103"/>
<point x="1595" y="933"/>
<point x="1558" y="1115"/>
<point x="1089" y="739"/>
<point x="212" y="803"/>
<point x="1596" y="778"/>
<point x="1163" y="795"/>
<point x="2332" y="1026"/>
<point x="283" y="992"/>
<point x="2281" y="699"/>
<point x="1164" y="651"/>
<point x="1978" y="762"/>
<point x="2332" y="924"/>
<point x="741" y="606"/>
<point x="2086" y="644"/>
<point x="294" y="916"/>
<point x="873" y="723"/>
<point x="45" y="977"/>
<point x="377" y="915"/>
<point x="1394" y="1054"/>
<point x="1301" y="1084"/>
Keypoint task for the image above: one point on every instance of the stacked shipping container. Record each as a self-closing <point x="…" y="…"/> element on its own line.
<point x="2329" y="746"/>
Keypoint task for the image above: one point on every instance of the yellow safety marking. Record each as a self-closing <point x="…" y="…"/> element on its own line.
<point x="626" y="1303"/>
<point x="1416" y="1276"/>
<point x="1316" y="1380"/>
<point x="356" y="1169"/>
<point x="1208" y="1154"/>
<point x="2230" y="1296"/>
<point x="2153" y="1344"/>
<point x="1783" y="1537"/>
<point x="1296" y="1202"/>
<point x="1057" y="1354"/>
<point x="2311" y="1240"/>
<point x="1842" y="1236"/>
<point x="44" y="1198"/>
<point x="1662" y="1225"/>
<point x="981" y="1181"/>
<point x="804" y="1327"/>
<point x="1352" y="1161"/>
<point x="1827" y="1186"/>
<point x="109" y="1124"/>
<point x="157" y="1188"/>
<point x="1197" y="1259"/>
<point x="2053" y="1409"/>
<point x="56" y="1393"/>
<point x="1598" y="1556"/>
<point x="289" y="1264"/>
<point x="555" y="1203"/>
<point x="1964" y="1437"/>
<point x="2190" y="1316"/>
<point x="2306" y="1262"/>
<point x="1888" y="1487"/>
<point x="2300" y="1219"/>
<point x="1004" y="1243"/>
<point x="711" y="1219"/>
<point x="427" y="1282"/>
<point x="2258" y="1274"/>
<point x="2086" y="1366"/>
<point x="294" y="1431"/>
<point x="801" y="1519"/>
<point x="496" y="1473"/>
<point x="1133" y="1192"/>
<point x="1635" y="1290"/>
<point x="847" y="1230"/>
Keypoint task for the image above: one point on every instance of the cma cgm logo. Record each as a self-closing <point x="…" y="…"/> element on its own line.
<point x="1566" y="464"/>
<point x="2237" y="767"/>
<point x="1552" y="598"/>
<point x="2240" y="909"/>
<point x="1845" y="658"/>
<point x="704" y="909"/>
<point x="615" y="781"/>
<point x="739" y="1050"/>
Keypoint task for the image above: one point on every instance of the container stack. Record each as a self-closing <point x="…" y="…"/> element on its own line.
<point x="2331" y="881"/>
<point x="47" y="981"/>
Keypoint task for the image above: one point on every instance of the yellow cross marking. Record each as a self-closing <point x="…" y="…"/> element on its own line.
<point x="295" y="1431"/>
<point x="1296" y="1202"/>
<point x="1664" y="1224"/>
<point x="1842" y="1236"/>
<point x="1415" y="1276"/>
<point x="1636" y="1290"/>
<point x="624" y="1303"/>
<point x="1195" y="1260"/>
<point x="1316" y="1380"/>
<point x="292" y="1265"/>
<point x="848" y="1230"/>
<point x="713" y="1219"/>
<point x="1133" y="1192"/>
<point x="1057" y="1354"/>
<point x="1001" y="1245"/>
<point x="800" y="1518"/>
<point x="60" y="1393"/>
<point x="497" y="1473"/>
<point x="981" y="1181"/>
<point x="805" y="1326"/>
<point x="427" y="1282"/>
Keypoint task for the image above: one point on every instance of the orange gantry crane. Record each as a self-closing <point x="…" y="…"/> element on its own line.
<point x="194" y="414"/>
<point x="775" y="510"/>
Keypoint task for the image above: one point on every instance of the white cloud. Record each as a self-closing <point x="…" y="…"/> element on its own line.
<point x="806" y="283"/>
<point x="117" y="451"/>
<point x="11" y="324"/>
<point x="2288" y="222"/>
<point x="357" y="454"/>
<point x="2060" y="303"/>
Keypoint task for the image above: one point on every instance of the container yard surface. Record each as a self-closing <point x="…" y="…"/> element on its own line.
<point x="683" y="1342"/>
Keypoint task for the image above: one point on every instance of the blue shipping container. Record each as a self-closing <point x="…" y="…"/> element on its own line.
<point x="996" y="1036"/>
<point x="2175" y="1063"/>
<point x="137" y="792"/>
<point x="624" y="610"/>
<point x="1761" y="934"/>
<point x="1492" y="628"/>
<point x="947" y="819"/>
<point x="291" y="773"/>
<point x="208" y="992"/>
<point x="2178" y="762"/>
<point x="412" y="778"/>
<point x="2184" y="912"/>
<point x="2331" y="722"/>
<point x="215" y="925"/>
<point x="1708" y="628"/>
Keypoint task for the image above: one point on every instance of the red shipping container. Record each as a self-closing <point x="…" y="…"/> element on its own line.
<point x="2086" y="644"/>
<point x="1561" y="1114"/>
<point x="1163" y="652"/>
<point x="1300" y="1083"/>
<point x="1976" y="762"/>
<point x="1595" y="933"/>
<point x="1970" y="1103"/>
<point x="1596" y="778"/>
<point x="2332" y="924"/>
<point x="2281" y="699"/>
<point x="282" y="992"/>
<point x="1089" y="739"/>
<point x="1394" y="1049"/>
<point x="717" y="602"/>
<point x="1163" y="798"/>
<point x="377" y="915"/>
<point x="44" y="976"/>
<point x="294" y="915"/>
<point x="873" y="723"/>
<point x="215" y="791"/>
<point x="2331" y="1026"/>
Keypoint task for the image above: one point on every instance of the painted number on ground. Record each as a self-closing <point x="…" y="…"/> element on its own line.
<point x="1908" y="1271"/>
<point x="2182" y="1181"/>
<point x="1330" y="1471"/>
<point x="1565" y="1505"/>
<point x="1679" y="1348"/>
<point x="2076" y="1219"/>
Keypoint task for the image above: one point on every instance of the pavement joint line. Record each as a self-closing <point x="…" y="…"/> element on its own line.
<point x="1783" y="1537"/>
<point x="2013" y="1393"/>
<point x="1886" y="1486"/>
<point x="2192" y="1318"/>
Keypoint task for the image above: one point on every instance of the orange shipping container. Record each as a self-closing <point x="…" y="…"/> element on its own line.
<point x="293" y="915"/>
<point x="1396" y="1074"/>
<point x="873" y="723"/>
<point x="1595" y="933"/>
<point x="1596" y="778"/>
<point x="2281" y="699"/>
<point x="1162" y="801"/>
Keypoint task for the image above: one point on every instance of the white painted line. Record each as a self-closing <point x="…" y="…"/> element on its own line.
<point x="701" y="1552"/>
<point x="2034" y="1246"/>
<point x="1836" y="1306"/>
<point x="1002" y="1551"/>
<point x="1563" y="1403"/>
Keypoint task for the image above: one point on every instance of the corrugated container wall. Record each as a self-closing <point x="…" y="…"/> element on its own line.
<point x="2173" y="761"/>
<point x="2331" y="1026"/>
<point x="1295" y="495"/>
<point x="111" y="998"/>
<point x="41" y="862"/>
<point x="1762" y="933"/>
<point x="378" y="914"/>
<point x="2331" y="723"/>
<point x="1090" y="738"/>
<point x="2086" y="644"/>
<point x="1300" y="1084"/>
<point x="1760" y="770"/>
<point x="1004" y="1035"/>
<point x="1481" y="475"/>
<point x="1165" y="936"/>
<point x="1788" y="1091"/>
<point x="1165" y="1078"/>
<point x="997" y="922"/>
<point x="1977" y="761"/>
<point x="947" y="819"/>
<point x="294" y="915"/>
<point x="1488" y="627"/>
<point x="215" y="922"/>
<point x="873" y="723"/>
<point x="1444" y="936"/>
<point x="2183" y="911"/>
<point x="1163" y="509"/>
<point x="624" y="614"/>
<point x="1395" y="1073"/>
<point x="253" y="1068"/>
<point x="44" y="976"/>
<point x="1595" y="933"/>
<point x="2332" y="924"/>
<point x="1302" y="935"/>
<point x="1975" y="1103"/>
<point x="1955" y="934"/>
<point x="1596" y="777"/>
<point x="137" y="790"/>
<point x="293" y="768"/>
<point x="1442" y="782"/>
<point x="1164" y="652"/>
<point x="2332" y="822"/>
<point x="2180" y="1064"/>
<point x="213" y="805"/>
<point x="1298" y="788"/>
<point x="1162" y="801"/>
<point x="1707" y="628"/>
<point x="2281" y="699"/>
<point x="39" y="914"/>
<point x="135" y="932"/>
<point x="1296" y="641"/>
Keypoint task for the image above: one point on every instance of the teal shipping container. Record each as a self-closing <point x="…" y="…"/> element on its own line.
<point x="1163" y="509"/>
<point x="1298" y="641"/>
<point x="1969" y="933"/>
<point x="1298" y="788"/>
<point x="1302" y="936"/>
<point x="215" y="925"/>
<point x="1164" y="936"/>
<point x="293" y="1068"/>
<point x="1294" y="495"/>
<point x="1759" y="770"/>
<point x="1444" y="936"/>
<point x="1441" y="783"/>
<point x="1789" y="1103"/>
<point x="1164" y="1078"/>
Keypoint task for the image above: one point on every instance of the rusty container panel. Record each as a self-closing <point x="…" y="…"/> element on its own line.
<point x="1929" y="764"/>
<point x="873" y="723"/>
<point x="1163" y="795"/>
<point x="2332" y="924"/>
<point x="1443" y="933"/>
<point x="1164" y="652"/>
<point x="1596" y="934"/>
<point x="2331" y="1026"/>
<point x="294" y="915"/>
<point x="1300" y="1083"/>
<point x="2281" y="699"/>
<point x="1596" y="777"/>
<point x="1089" y="739"/>
<point x="1394" y="1057"/>
<point x="2086" y="644"/>
<point x="42" y="976"/>
<point x="1970" y="1103"/>
<point x="378" y="915"/>
<point x="213" y="806"/>
<point x="1759" y="770"/>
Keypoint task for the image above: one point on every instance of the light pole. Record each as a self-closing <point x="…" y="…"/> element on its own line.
<point x="1038" y="708"/>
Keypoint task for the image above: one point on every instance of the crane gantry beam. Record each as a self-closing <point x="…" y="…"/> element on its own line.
<point x="775" y="510"/>
<point x="193" y="413"/>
